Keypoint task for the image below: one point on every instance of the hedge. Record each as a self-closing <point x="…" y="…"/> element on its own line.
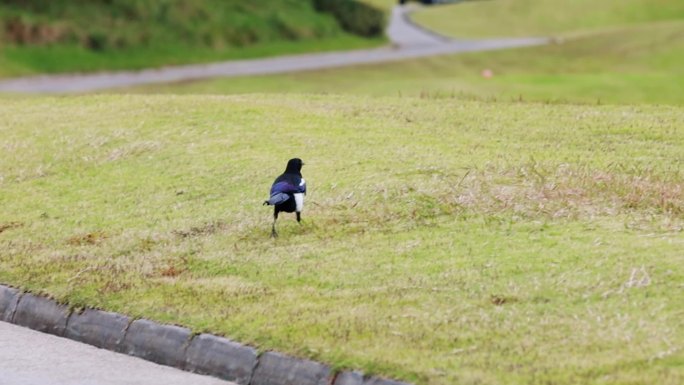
<point x="354" y="17"/>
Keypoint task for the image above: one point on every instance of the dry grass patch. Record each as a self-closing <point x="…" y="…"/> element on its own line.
<point x="565" y="192"/>
<point x="9" y="226"/>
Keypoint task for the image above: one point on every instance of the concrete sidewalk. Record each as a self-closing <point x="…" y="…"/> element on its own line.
<point x="28" y="357"/>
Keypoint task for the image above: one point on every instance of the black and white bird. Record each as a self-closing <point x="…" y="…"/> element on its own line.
<point x="287" y="192"/>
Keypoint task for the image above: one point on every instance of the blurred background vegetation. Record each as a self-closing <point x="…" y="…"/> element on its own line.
<point x="612" y="51"/>
<point x="50" y="36"/>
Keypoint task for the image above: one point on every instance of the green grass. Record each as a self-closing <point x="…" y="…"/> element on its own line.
<point x="636" y="64"/>
<point x="36" y="60"/>
<point x="626" y="52"/>
<point x="444" y="241"/>
<point x="543" y="17"/>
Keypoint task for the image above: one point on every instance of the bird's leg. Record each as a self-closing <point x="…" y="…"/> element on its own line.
<point x="299" y="218"/>
<point x="274" y="234"/>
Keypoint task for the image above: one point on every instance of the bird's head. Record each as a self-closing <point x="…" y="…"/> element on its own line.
<point x="294" y="166"/>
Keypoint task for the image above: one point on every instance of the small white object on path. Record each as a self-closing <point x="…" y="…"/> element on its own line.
<point x="28" y="357"/>
<point x="408" y="42"/>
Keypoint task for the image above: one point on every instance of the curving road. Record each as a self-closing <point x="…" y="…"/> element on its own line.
<point x="405" y="34"/>
<point x="28" y="357"/>
<point x="408" y="41"/>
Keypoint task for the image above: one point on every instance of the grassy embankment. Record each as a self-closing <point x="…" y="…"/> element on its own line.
<point x="543" y="17"/>
<point x="612" y="52"/>
<point x="443" y="242"/>
<point x="37" y="37"/>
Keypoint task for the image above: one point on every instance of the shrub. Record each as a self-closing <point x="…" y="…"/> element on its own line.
<point x="354" y="17"/>
<point x="97" y="41"/>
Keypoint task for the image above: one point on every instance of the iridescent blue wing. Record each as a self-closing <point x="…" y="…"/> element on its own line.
<point x="284" y="187"/>
<point x="288" y="184"/>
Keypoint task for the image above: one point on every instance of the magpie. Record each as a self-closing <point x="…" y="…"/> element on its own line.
<point x="287" y="192"/>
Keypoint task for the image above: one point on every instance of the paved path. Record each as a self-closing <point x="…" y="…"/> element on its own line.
<point x="408" y="41"/>
<point x="28" y="357"/>
<point x="405" y="34"/>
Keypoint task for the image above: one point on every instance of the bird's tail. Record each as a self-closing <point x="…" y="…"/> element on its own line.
<point x="276" y="199"/>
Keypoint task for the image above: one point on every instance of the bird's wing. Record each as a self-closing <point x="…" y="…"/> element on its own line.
<point x="277" y="199"/>
<point x="283" y="187"/>
<point x="288" y="184"/>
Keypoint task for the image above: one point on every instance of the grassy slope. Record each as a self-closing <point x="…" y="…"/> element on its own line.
<point x="543" y="17"/>
<point x="24" y="61"/>
<point x="150" y="34"/>
<point x="637" y="64"/>
<point x="620" y="52"/>
<point x="443" y="242"/>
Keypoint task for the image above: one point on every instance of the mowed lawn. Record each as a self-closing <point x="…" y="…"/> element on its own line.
<point x="443" y="241"/>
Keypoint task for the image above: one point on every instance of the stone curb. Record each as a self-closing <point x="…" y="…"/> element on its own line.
<point x="171" y="345"/>
<point x="42" y="314"/>
<point x="208" y="354"/>
<point x="9" y="299"/>
<point x="98" y="328"/>
<point x="357" y="378"/>
<point x="382" y="381"/>
<point x="163" y="344"/>
<point x="349" y="378"/>
<point x="279" y="369"/>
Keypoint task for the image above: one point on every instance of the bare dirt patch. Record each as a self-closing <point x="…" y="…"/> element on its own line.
<point x="9" y="225"/>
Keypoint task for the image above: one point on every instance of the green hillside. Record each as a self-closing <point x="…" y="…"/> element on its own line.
<point x="628" y="59"/>
<point x="444" y="242"/>
<point x="638" y="64"/>
<point x="543" y="17"/>
<point x="84" y="35"/>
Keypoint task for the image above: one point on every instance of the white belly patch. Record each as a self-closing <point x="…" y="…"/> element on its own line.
<point x="299" y="200"/>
